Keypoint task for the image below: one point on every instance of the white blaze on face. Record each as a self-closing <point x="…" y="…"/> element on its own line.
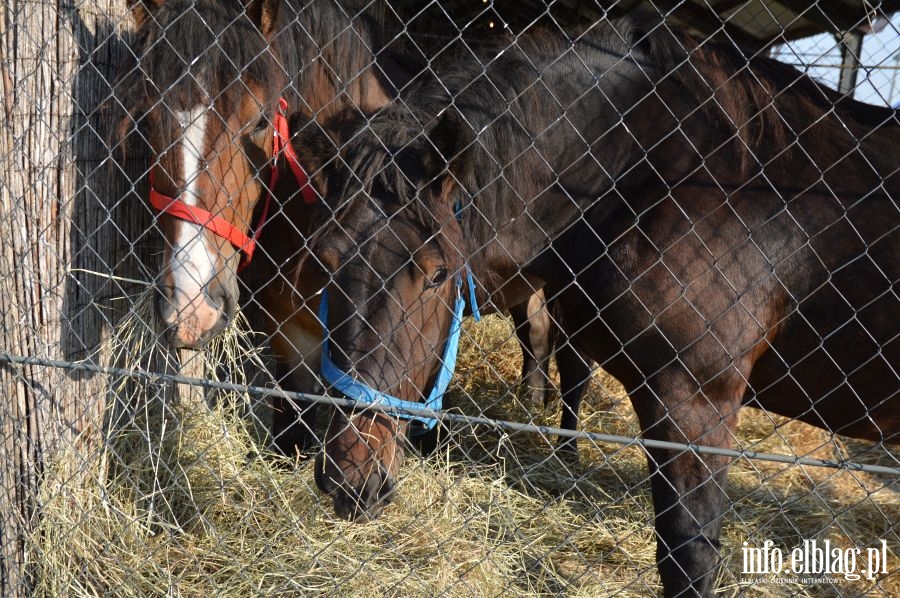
<point x="193" y="264"/>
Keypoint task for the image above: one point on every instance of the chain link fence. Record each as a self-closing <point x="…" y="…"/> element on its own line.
<point x="657" y="224"/>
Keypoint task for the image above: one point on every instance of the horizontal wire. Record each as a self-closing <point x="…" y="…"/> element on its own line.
<point x="445" y="416"/>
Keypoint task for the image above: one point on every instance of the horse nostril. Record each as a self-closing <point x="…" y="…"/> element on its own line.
<point x="377" y="492"/>
<point x="217" y="298"/>
<point x="360" y="504"/>
<point x="223" y="300"/>
<point x="348" y="505"/>
<point x="169" y="334"/>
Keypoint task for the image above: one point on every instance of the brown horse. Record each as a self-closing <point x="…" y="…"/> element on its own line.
<point x="205" y="95"/>
<point x="715" y="231"/>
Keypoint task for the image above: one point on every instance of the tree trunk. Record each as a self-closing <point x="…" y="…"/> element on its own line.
<point x="69" y="221"/>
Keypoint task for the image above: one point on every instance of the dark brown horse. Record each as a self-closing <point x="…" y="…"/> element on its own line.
<point x="715" y="231"/>
<point x="205" y="95"/>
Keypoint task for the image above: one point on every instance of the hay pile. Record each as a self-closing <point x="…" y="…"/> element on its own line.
<point x="185" y="500"/>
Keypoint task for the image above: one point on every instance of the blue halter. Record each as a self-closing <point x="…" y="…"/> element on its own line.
<point x="364" y="393"/>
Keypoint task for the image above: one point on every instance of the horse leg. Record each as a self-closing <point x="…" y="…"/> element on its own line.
<point x="533" y="328"/>
<point x="688" y="488"/>
<point x="574" y="375"/>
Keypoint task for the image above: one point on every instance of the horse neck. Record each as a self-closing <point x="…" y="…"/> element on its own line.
<point x="849" y="145"/>
<point x="524" y="199"/>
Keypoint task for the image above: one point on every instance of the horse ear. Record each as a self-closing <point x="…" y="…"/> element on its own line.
<point x="453" y="140"/>
<point x="263" y="13"/>
<point x="315" y="147"/>
<point x="141" y="10"/>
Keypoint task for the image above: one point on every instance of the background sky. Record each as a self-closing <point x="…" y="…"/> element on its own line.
<point x="879" y="78"/>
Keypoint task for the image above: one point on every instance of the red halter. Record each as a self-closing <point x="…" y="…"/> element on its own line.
<point x="220" y="227"/>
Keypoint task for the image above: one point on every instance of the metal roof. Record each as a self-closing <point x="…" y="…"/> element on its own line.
<point x="751" y="24"/>
<point x="758" y="24"/>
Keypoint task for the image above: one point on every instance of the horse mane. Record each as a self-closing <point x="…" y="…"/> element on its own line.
<point x="344" y="42"/>
<point x="378" y="161"/>
<point x="187" y="42"/>
<point x="390" y="152"/>
<point x="758" y="98"/>
<point x="757" y="107"/>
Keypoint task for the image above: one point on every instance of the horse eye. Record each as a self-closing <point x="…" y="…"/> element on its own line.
<point x="438" y="278"/>
<point x="262" y="125"/>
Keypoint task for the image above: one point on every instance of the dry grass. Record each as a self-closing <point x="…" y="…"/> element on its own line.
<point x="183" y="500"/>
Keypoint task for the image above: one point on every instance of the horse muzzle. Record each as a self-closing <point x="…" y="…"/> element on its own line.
<point x="189" y="322"/>
<point x="362" y="500"/>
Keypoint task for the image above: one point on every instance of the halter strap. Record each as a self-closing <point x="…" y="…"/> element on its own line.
<point x="206" y="219"/>
<point x="280" y="144"/>
<point x="220" y="227"/>
<point x="364" y="393"/>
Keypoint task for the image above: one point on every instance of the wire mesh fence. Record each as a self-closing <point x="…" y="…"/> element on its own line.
<point x="457" y="298"/>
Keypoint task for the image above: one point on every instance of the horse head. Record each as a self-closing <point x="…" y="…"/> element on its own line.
<point x="205" y="100"/>
<point x="395" y="253"/>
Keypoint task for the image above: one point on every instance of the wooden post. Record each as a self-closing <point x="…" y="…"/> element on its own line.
<point x="67" y="221"/>
<point x="851" y="50"/>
